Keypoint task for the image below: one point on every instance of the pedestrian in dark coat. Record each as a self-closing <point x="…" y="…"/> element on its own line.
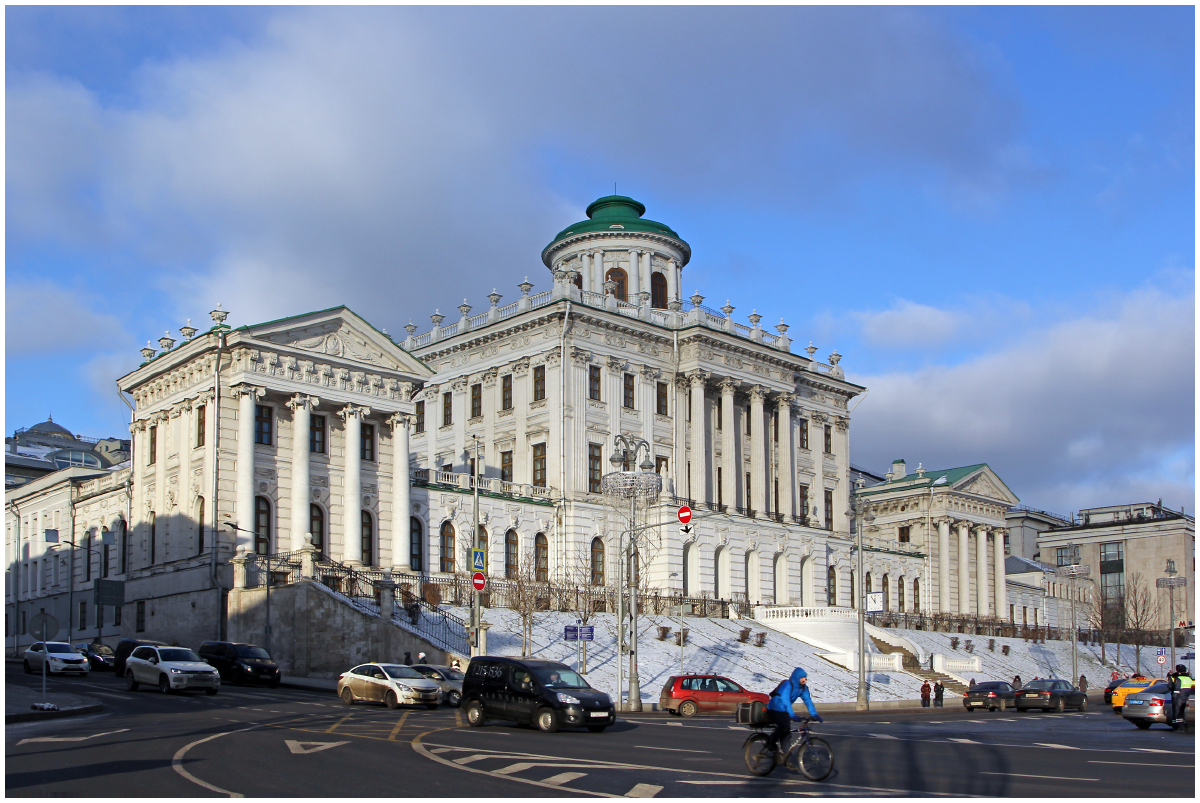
<point x="972" y="684"/>
<point x="1083" y="683"/>
<point x="925" y="689"/>
<point x="1016" y="682"/>
<point x="408" y="659"/>
<point x="939" y="691"/>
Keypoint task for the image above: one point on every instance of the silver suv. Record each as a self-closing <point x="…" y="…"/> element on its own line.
<point x="171" y="669"/>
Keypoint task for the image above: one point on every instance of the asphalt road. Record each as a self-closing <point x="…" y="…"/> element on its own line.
<point x="293" y="743"/>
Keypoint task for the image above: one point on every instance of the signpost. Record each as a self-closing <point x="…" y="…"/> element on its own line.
<point x="1162" y="659"/>
<point x="47" y="625"/>
<point x="479" y="581"/>
<point x="685" y="515"/>
<point x="1171" y="582"/>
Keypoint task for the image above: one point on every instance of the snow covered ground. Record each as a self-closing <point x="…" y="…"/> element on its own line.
<point x="713" y="646"/>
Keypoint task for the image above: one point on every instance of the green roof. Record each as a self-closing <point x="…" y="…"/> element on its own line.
<point x="614" y="213"/>
<point x="933" y="477"/>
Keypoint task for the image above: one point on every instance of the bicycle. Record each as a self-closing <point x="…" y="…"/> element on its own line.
<point x="808" y="754"/>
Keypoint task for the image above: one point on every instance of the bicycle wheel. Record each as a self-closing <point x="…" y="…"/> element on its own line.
<point x="815" y="759"/>
<point x="759" y="759"/>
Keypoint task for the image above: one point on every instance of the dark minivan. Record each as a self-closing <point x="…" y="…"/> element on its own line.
<point x="126" y="646"/>
<point x="241" y="663"/>
<point x="526" y="690"/>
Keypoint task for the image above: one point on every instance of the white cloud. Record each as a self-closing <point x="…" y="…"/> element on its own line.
<point x="45" y="318"/>
<point x="910" y="324"/>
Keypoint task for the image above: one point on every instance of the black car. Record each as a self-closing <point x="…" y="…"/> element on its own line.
<point x="100" y="656"/>
<point x="126" y="646"/>
<point x="241" y="663"/>
<point x="994" y="695"/>
<point x="1108" y="690"/>
<point x="529" y="691"/>
<point x="1050" y="694"/>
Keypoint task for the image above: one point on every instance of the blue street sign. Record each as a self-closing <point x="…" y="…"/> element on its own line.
<point x="1162" y="650"/>
<point x="585" y="633"/>
<point x="570" y="633"/>
<point x="479" y="560"/>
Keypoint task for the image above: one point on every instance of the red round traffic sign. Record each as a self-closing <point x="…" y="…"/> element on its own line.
<point x="685" y="514"/>
<point x="1162" y="659"/>
<point x="479" y="581"/>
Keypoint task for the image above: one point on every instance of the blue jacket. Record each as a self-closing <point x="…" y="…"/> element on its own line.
<point x="789" y="691"/>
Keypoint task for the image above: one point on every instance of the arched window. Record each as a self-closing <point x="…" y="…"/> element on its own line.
<point x="831" y="586"/>
<point x="416" y="545"/>
<point x="886" y="593"/>
<point x="262" y="525"/>
<point x="870" y="586"/>
<point x="617" y="275"/>
<point x="368" y="539"/>
<point x="541" y="548"/>
<point x="104" y="552"/>
<point x="916" y="604"/>
<point x="199" y="525"/>
<point x="153" y="534"/>
<point x="900" y="595"/>
<point x="717" y="558"/>
<point x="597" y="561"/>
<point x="579" y="280"/>
<point x="481" y="538"/>
<point x="510" y="555"/>
<point x="658" y="291"/>
<point x="87" y="561"/>
<point x="781" y="572"/>
<point x="447" y="547"/>
<point x="316" y="526"/>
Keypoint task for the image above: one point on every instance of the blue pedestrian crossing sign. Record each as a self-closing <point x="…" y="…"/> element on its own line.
<point x="479" y="560"/>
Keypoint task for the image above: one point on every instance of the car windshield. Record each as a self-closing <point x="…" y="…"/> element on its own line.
<point x="1040" y="684"/>
<point x="102" y="649"/>
<point x="406" y="672"/>
<point x="559" y="677"/>
<point x="177" y="654"/>
<point x="55" y="647"/>
<point x="1136" y="684"/>
<point x="250" y="651"/>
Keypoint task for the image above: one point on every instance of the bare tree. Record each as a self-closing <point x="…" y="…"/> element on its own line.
<point x="582" y="587"/>
<point x="527" y="594"/>
<point x="1099" y="618"/>
<point x="1141" y="612"/>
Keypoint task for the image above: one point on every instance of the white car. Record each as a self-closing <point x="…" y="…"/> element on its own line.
<point x="58" y="658"/>
<point x="390" y="684"/>
<point x="171" y="669"/>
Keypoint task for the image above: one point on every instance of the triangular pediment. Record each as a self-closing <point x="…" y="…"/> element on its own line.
<point x="985" y="483"/>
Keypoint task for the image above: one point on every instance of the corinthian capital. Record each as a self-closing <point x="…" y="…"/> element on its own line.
<point x="354" y="411"/>
<point x="698" y="377"/>
<point x="784" y="401"/>
<point x="399" y="421"/>
<point x="757" y="393"/>
<point x="302" y="402"/>
<point x="728" y="386"/>
<point x="245" y="389"/>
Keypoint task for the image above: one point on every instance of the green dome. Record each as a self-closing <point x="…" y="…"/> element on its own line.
<point x="614" y="213"/>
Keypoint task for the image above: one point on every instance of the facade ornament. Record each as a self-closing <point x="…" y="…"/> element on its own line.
<point x="494" y="297"/>
<point x="166" y="342"/>
<point x="682" y="382"/>
<point x="729" y="384"/>
<point x="354" y="411"/>
<point x="784" y="400"/>
<point x="489" y="376"/>
<point x="437" y="317"/>
<point x="842" y="423"/>
<point x="615" y="364"/>
<point x="650" y="372"/>
<point x="696" y="299"/>
<point x="525" y="287"/>
<point x="580" y="356"/>
<point x="728" y="309"/>
<point x="521" y="367"/>
<point x="464" y="308"/>
<point x="811" y="349"/>
<point x="459" y="384"/>
<point x="754" y="319"/>
<point x="188" y="331"/>
<point x="610" y="287"/>
<point x="300" y="401"/>
<point x="553" y="356"/>
<point x="757" y="393"/>
<point x="836" y="370"/>
<point x="218" y="315"/>
<point x="698" y="377"/>
<point x="148" y="352"/>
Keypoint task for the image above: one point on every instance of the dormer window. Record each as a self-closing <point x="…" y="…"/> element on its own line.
<point x="616" y="226"/>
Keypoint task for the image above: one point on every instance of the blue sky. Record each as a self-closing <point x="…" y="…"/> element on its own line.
<point x="988" y="210"/>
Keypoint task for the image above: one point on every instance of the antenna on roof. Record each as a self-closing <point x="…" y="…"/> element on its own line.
<point x="614" y="188"/>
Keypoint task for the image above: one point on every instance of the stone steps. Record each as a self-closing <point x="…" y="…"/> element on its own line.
<point x="913" y="667"/>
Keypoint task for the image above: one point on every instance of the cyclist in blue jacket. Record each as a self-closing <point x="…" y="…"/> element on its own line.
<point x="780" y="710"/>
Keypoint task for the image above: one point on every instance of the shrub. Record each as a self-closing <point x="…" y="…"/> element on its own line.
<point x="744" y="635"/>
<point x="969" y="646"/>
<point x="663" y="632"/>
<point x="432" y="593"/>
<point x="992" y="644"/>
<point x="954" y="642"/>
<point x="760" y="639"/>
<point x="1004" y="649"/>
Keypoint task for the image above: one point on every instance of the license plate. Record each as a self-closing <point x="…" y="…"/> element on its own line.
<point x="598" y="714"/>
<point x="1137" y="702"/>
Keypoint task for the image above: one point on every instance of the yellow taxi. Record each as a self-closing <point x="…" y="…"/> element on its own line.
<point x="1129" y="687"/>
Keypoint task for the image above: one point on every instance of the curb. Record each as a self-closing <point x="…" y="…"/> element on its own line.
<point x="30" y="716"/>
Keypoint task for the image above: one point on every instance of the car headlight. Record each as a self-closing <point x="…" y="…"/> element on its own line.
<point x="176" y="671"/>
<point x="248" y="668"/>
<point x="566" y="698"/>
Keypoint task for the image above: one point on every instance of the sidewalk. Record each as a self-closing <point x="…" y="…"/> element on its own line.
<point x="312" y="684"/>
<point x="18" y="699"/>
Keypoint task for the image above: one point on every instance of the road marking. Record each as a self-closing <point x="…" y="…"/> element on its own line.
<point x="177" y="762"/>
<point x="963" y="741"/>
<point x="564" y="777"/>
<point x="672" y="749"/>
<point x="520" y="766"/>
<point x="1039" y="777"/>
<point x="1151" y="750"/>
<point x="1144" y="764"/>
<point x="68" y="738"/>
<point x="1059" y="746"/>
<point x="881" y="735"/>
<point x="483" y="733"/>
<point x="644" y="790"/>
<point x="719" y="783"/>
<point x="442" y="750"/>
<point x="399" y="725"/>
<point x="470" y="759"/>
<point x="110" y="694"/>
<point x="299" y="747"/>
<point x="339" y="722"/>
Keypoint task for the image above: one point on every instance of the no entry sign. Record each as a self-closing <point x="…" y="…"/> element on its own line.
<point x="685" y="514"/>
<point x="479" y="581"/>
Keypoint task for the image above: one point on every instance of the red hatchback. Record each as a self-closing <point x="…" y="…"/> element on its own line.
<point x="688" y="695"/>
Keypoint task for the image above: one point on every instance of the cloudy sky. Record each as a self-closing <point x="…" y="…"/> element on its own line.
<point x="989" y="211"/>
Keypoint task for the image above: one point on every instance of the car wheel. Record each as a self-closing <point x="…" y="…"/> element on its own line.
<point x="1003" y="705"/>
<point x="164" y="685"/>
<point x="1141" y="724"/>
<point x="1083" y="705"/>
<point x="547" y="720"/>
<point x="1059" y="706"/>
<point x="688" y="708"/>
<point x="28" y="669"/>
<point x="475" y="717"/>
<point x="347" y="695"/>
<point x="130" y="683"/>
<point x="391" y="700"/>
<point x="211" y="692"/>
<point x="453" y="699"/>
<point x="596" y="728"/>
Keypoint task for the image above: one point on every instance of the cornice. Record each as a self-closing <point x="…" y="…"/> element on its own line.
<point x="552" y="252"/>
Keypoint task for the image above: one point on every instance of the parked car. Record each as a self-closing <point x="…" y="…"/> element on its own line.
<point x="390" y="684"/>
<point x="1147" y="706"/>
<point x="994" y="695"/>
<point x="1131" y="686"/>
<point x="125" y="648"/>
<point x="57" y="657"/>
<point x="1108" y="690"/>
<point x="241" y="663"/>
<point x="542" y="693"/>
<point x="449" y="679"/>
<point x="1050" y="694"/>
<point x="171" y="669"/>
<point x="688" y="695"/>
<point x="99" y="656"/>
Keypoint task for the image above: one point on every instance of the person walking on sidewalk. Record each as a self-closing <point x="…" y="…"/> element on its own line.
<point x="925" y="694"/>
<point x="939" y="691"/>
<point x="1083" y="683"/>
<point x="1017" y="682"/>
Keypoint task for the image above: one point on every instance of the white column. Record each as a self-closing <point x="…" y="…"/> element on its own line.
<point x="352" y="485"/>
<point x="646" y="257"/>
<point x="944" y="605"/>
<point x="982" y="593"/>
<point x="699" y="448"/>
<point x="401" y="493"/>
<point x="730" y="465"/>
<point x="163" y="421"/>
<point x="678" y="453"/>
<point x="635" y="275"/>
<point x="998" y="574"/>
<point x="786" y="504"/>
<point x="247" y="396"/>
<point x="964" y="569"/>
<point x="598" y="272"/>
<point x="672" y="274"/>
<point x="301" y="407"/>
<point x="758" y="445"/>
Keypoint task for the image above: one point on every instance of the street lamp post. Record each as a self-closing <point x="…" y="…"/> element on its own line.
<point x="1171" y="582"/>
<point x="862" y="516"/>
<point x="476" y="471"/>
<point x="1073" y="572"/>
<point x="631" y="485"/>
<point x="267" y="630"/>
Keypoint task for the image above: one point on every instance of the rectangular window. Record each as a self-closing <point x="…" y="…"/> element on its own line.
<point x="747" y="416"/>
<point x="447" y="409"/>
<point x="83" y="616"/>
<point x="660" y="398"/>
<point x="448" y="468"/>
<point x="1064" y="556"/>
<point x="749" y="496"/>
<point x="539" y="382"/>
<point x="595" y="464"/>
<point x="718" y="415"/>
<point x="803" y="500"/>
<point x="367" y="439"/>
<point x="506" y="397"/>
<point x="803" y="433"/>
<point x="264" y="425"/>
<point x="153" y="446"/>
<point x="506" y="466"/>
<point x="904" y="534"/>
<point x="140" y="624"/>
<point x="316" y="434"/>
<point x="116" y="614"/>
<point x="539" y="465"/>
<point x="627" y="391"/>
<point x="420" y="411"/>
<point x="594" y="382"/>
<point x="828" y="439"/>
<point x="829" y="510"/>
<point x="1007" y="548"/>
<point x="720" y="492"/>
<point x="476" y="401"/>
<point x="201" y="416"/>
